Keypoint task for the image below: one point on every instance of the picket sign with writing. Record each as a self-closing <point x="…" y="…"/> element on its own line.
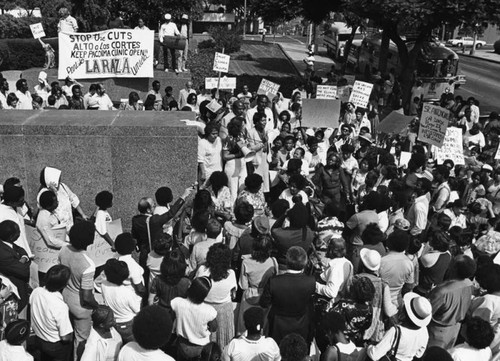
<point x="221" y="62"/>
<point x="360" y="95"/>
<point x="37" y="30"/>
<point x="225" y="83"/>
<point x="452" y="147"/>
<point x="44" y="256"/>
<point x="326" y="92"/>
<point x="433" y="124"/>
<point x="100" y="251"/>
<point x="268" y="88"/>
<point x="214" y="106"/>
<point x="114" y="53"/>
<point x="320" y="113"/>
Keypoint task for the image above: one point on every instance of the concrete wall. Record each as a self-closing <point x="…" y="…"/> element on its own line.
<point x="130" y="154"/>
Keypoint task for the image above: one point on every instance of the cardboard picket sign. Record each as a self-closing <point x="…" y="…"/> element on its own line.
<point x="320" y="113"/>
<point x="100" y="251"/>
<point x="44" y="256"/>
<point x="268" y="88"/>
<point x="37" y="30"/>
<point x="394" y="123"/>
<point x="221" y="62"/>
<point x="433" y="124"/>
<point x="360" y="95"/>
<point x="452" y="147"/>
<point x="326" y="92"/>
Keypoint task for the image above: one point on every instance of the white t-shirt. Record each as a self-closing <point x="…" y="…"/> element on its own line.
<point x="99" y="348"/>
<point x="243" y="349"/>
<point x="12" y="352"/>
<point x="286" y="195"/>
<point x="104" y="102"/>
<point x="221" y="290"/>
<point x="192" y="320"/>
<point x="49" y="315"/>
<point x="210" y="155"/>
<point x="135" y="270"/>
<point x="465" y="352"/>
<point x="102" y="218"/>
<point x="133" y="352"/>
<point x="123" y="300"/>
<point x="25" y="100"/>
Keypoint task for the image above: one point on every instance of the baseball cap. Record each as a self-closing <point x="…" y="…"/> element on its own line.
<point x="168" y="17"/>
<point x="261" y="224"/>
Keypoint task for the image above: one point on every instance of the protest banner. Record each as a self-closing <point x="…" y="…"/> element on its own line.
<point x="360" y="95"/>
<point x="268" y="88"/>
<point x="221" y="62"/>
<point x="452" y="147"/>
<point x="116" y="53"/>
<point x="225" y="83"/>
<point x="394" y="123"/>
<point x="433" y="124"/>
<point x="100" y="251"/>
<point x="320" y="113"/>
<point x="37" y="30"/>
<point x="326" y="92"/>
<point x="44" y="256"/>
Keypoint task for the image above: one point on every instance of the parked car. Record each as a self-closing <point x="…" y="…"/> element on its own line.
<point x="465" y="40"/>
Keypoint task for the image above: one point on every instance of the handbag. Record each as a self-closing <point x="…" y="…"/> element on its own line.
<point x="391" y="354"/>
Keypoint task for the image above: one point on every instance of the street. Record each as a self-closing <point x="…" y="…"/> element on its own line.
<point x="483" y="82"/>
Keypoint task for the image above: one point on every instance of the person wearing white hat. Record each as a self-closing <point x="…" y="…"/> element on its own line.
<point x="168" y="28"/>
<point x="184" y="30"/>
<point x="410" y="339"/>
<point x="42" y="89"/>
<point x="382" y="304"/>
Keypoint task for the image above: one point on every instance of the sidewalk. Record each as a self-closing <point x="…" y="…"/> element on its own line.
<point x="488" y="55"/>
<point x="297" y="51"/>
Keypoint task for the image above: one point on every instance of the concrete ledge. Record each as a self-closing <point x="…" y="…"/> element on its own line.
<point x="130" y="154"/>
<point x="480" y="58"/>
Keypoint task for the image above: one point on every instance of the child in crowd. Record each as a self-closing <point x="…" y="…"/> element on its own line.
<point x="103" y="201"/>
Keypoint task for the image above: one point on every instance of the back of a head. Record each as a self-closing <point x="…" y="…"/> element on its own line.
<point x="162" y="244"/>
<point x="372" y="234"/>
<point x="362" y="290"/>
<point x="104" y="200"/>
<point x="17" y="332"/>
<point x="199" y="289"/>
<point x="296" y="258"/>
<point x="254" y="319"/>
<point x="101" y="314"/>
<point x="152" y="327"/>
<point x="116" y="271"/>
<point x="279" y="207"/>
<point x="480" y="333"/>
<point x="436" y="353"/>
<point x="9" y="231"/>
<point x="462" y="267"/>
<point x="371" y="201"/>
<point x="398" y="241"/>
<point x="82" y="234"/>
<point x="298" y="216"/>
<point x="293" y="347"/>
<point x="13" y="194"/>
<point x="124" y="243"/>
<point x="243" y="211"/>
<point x="57" y="278"/>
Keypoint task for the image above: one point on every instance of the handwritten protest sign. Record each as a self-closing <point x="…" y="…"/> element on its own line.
<point x="116" y="53"/>
<point x="320" y="113"/>
<point x="225" y="83"/>
<point x="37" y="30"/>
<point x="360" y="95"/>
<point x="221" y="62"/>
<point x="326" y="92"/>
<point x="452" y="147"/>
<point x="394" y="123"/>
<point x="100" y="251"/>
<point x="433" y="124"/>
<point x="45" y="256"/>
<point x="268" y="88"/>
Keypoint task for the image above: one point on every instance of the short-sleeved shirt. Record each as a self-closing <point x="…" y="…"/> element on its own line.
<point x="67" y="25"/>
<point x="209" y="154"/>
<point x="49" y="315"/>
<point x="123" y="300"/>
<point x="135" y="270"/>
<point x="192" y="320"/>
<point x="243" y="349"/>
<point x="396" y="269"/>
<point x="102" y="218"/>
<point x="82" y="269"/>
<point x="221" y="290"/>
<point x="358" y="223"/>
<point x="133" y="352"/>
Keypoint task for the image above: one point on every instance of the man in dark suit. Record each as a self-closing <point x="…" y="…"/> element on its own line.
<point x="289" y="296"/>
<point x="14" y="261"/>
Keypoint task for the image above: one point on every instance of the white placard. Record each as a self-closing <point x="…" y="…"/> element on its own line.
<point x="221" y="62"/>
<point x="433" y="124"/>
<point x="37" y="30"/>
<point x="116" y="53"/>
<point x="326" y="92"/>
<point x="225" y="83"/>
<point x="100" y="251"/>
<point x="452" y="147"/>
<point x="268" y="88"/>
<point x="214" y="106"/>
<point x="360" y="95"/>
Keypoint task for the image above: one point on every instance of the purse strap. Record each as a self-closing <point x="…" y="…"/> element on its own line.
<point x="395" y="343"/>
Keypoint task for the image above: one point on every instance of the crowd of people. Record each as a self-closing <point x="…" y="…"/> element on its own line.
<point x="292" y="237"/>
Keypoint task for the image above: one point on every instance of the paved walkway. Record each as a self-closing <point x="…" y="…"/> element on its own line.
<point x="489" y="55"/>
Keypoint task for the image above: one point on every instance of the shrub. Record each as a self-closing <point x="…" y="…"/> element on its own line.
<point x="229" y="40"/>
<point x="201" y="65"/>
<point x="11" y="27"/>
<point x="206" y="44"/>
<point x="23" y="53"/>
<point x="496" y="46"/>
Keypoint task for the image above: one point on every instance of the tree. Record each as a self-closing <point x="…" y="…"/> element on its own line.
<point x="415" y="19"/>
<point x="277" y="11"/>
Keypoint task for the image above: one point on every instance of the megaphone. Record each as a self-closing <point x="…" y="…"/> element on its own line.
<point x="249" y="154"/>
